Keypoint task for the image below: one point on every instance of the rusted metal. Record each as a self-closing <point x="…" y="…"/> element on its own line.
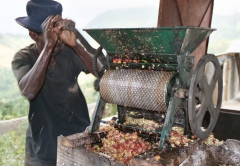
<point x="181" y="93"/>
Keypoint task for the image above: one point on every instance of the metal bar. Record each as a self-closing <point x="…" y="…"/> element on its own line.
<point x="146" y="66"/>
<point x="167" y="127"/>
<point x="70" y="25"/>
<point x="138" y="128"/>
<point x="111" y="53"/>
<point x="84" y="42"/>
<point x="133" y="127"/>
<point x="97" y="116"/>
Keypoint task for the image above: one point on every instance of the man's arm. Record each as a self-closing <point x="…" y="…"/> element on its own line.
<point x="32" y="82"/>
<point x="86" y="57"/>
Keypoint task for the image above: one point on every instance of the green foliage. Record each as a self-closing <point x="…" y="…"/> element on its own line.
<point x="12" y="104"/>
<point x="112" y="110"/>
<point x="12" y="147"/>
<point x="15" y="42"/>
<point x="86" y="84"/>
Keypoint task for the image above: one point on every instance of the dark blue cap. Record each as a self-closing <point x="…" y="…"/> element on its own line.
<point x="38" y="11"/>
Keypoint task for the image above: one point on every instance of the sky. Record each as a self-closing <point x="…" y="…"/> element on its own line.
<point x="83" y="11"/>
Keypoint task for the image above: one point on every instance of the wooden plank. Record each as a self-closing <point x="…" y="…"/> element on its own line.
<point x="10" y="125"/>
<point x="168" y="14"/>
<point x="187" y="13"/>
<point x="81" y="139"/>
<point x="237" y="58"/>
<point x="233" y="104"/>
<point x="225" y="80"/>
<point x="80" y="156"/>
<point x="192" y="12"/>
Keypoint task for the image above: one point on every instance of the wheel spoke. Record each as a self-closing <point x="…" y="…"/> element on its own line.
<point x="200" y="114"/>
<point x="206" y="91"/>
<point x="212" y="110"/>
<point x="199" y="75"/>
<point x="214" y="80"/>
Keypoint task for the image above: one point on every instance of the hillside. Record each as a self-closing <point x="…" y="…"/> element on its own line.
<point x="228" y="30"/>
<point x="126" y="18"/>
<point x="9" y="44"/>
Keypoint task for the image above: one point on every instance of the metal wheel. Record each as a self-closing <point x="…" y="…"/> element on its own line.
<point x="201" y="100"/>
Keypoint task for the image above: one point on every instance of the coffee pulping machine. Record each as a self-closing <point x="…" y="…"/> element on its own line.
<point x="150" y="74"/>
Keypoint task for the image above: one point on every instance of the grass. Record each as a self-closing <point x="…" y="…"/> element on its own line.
<point x="12" y="147"/>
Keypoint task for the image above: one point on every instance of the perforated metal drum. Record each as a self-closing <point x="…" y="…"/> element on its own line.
<point x="141" y="89"/>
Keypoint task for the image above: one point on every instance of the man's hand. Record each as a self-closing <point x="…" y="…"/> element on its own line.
<point x="68" y="37"/>
<point x="48" y="29"/>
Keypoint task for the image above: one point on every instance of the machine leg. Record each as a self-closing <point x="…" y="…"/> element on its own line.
<point x="167" y="127"/>
<point x="186" y="120"/>
<point x="98" y="113"/>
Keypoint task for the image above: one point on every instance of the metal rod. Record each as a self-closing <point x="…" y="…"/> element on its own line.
<point x="133" y="127"/>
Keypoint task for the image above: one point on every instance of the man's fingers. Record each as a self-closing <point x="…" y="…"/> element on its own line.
<point x="61" y="24"/>
<point x="65" y="20"/>
<point x="51" y="23"/>
<point x="57" y="30"/>
<point x="55" y="20"/>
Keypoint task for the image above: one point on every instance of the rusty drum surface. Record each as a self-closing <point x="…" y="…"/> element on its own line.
<point x="143" y="89"/>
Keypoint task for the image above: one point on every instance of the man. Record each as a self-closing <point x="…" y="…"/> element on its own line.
<point x="47" y="74"/>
